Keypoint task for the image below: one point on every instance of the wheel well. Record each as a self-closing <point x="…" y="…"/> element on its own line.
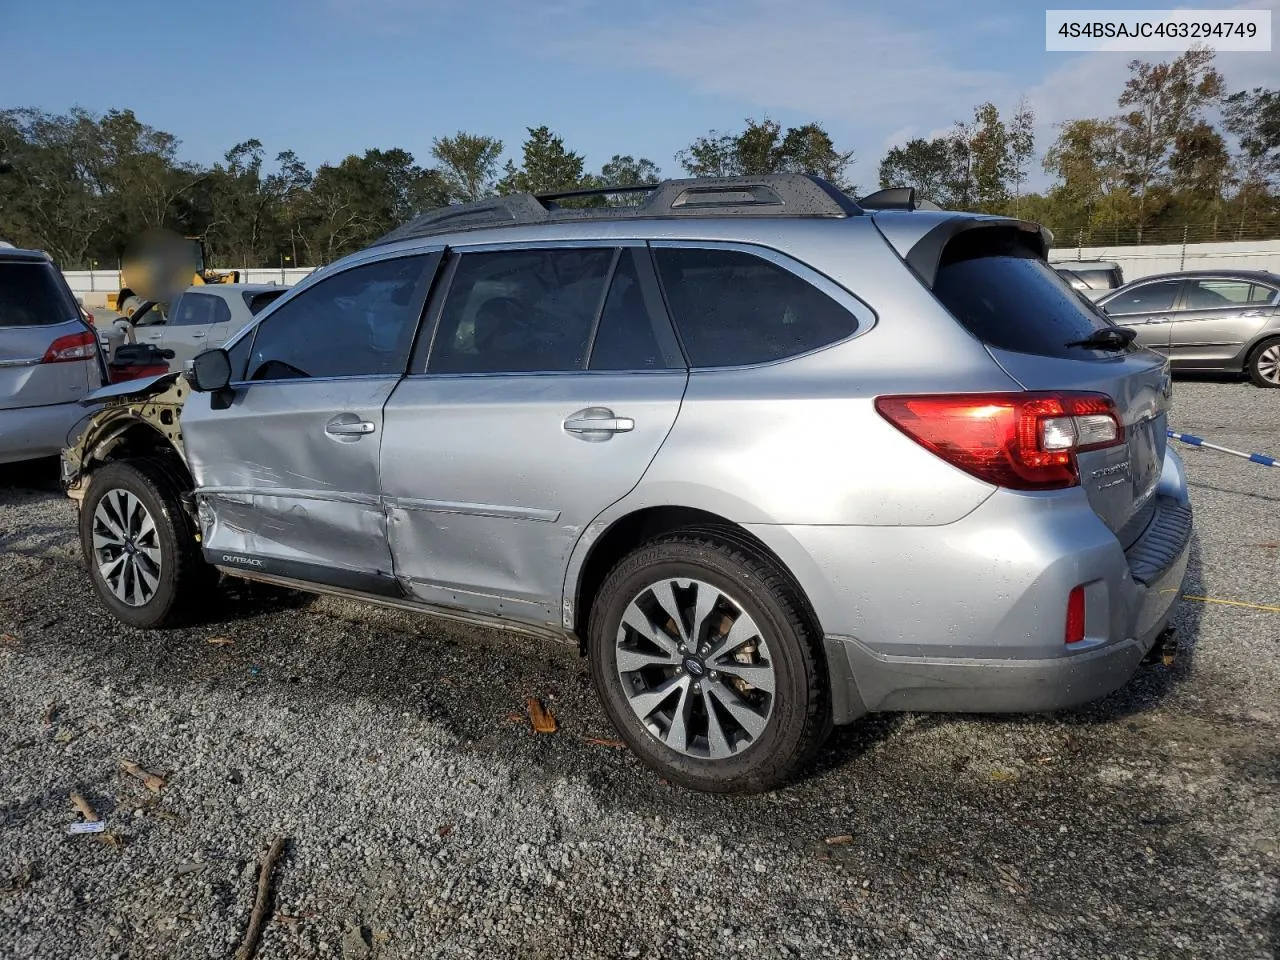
<point x="635" y="529"/>
<point x="1261" y="342"/>
<point x="142" y="440"/>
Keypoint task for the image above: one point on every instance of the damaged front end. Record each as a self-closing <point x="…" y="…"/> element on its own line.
<point x="134" y="418"/>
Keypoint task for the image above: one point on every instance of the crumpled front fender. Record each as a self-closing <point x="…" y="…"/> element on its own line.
<point x="153" y="404"/>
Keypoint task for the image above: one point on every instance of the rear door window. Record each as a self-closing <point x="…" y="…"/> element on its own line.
<point x="32" y="296"/>
<point x="733" y="308"/>
<point x="634" y="332"/>
<point x="200" y="309"/>
<point x="1003" y="293"/>
<point x="1147" y="298"/>
<point x="1223" y="294"/>
<point x="521" y="311"/>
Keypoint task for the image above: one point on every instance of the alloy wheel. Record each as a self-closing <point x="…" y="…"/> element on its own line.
<point x="1268" y="364"/>
<point x="695" y="668"/>
<point x="126" y="547"/>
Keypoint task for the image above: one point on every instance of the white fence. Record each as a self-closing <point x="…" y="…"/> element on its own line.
<point x="1172" y="257"/>
<point x="92" y="286"/>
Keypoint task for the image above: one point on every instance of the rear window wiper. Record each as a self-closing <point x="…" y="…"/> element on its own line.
<point x="1108" y="338"/>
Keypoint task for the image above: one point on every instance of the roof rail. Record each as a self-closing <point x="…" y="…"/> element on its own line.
<point x="768" y="195"/>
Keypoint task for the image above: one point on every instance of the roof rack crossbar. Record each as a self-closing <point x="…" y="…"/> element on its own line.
<point x="768" y="195"/>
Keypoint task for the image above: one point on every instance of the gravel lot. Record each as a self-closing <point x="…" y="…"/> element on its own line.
<point x="425" y="819"/>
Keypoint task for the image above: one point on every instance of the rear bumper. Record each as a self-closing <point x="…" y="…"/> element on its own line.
<point x="864" y="680"/>
<point x="29" y="433"/>
<point x="970" y="616"/>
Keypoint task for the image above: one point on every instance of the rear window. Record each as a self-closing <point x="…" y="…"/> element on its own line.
<point x="31" y="296"/>
<point x="1010" y="299"/>
<point x="256" y="302"/>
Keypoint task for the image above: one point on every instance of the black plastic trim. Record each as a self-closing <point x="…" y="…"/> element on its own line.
<point x="375" y="584"/>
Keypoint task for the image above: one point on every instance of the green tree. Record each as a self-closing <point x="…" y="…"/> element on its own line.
<point x="1089" y="192"/>
<point x="931" y="166"/>
<point x="547" y="166"/>
<point x="764" y="147"/>
<point x="1161" y="102"/>
<point x="351" y="204"/>
<point x="468" y="164"/>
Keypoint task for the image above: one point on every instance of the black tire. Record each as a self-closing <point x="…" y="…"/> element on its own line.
<point x="1252" y="366"/>
<point x="801" y="712"/>
<point x="185" y="579"/>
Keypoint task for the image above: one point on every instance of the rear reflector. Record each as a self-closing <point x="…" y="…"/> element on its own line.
<point x="1075" y="616"/>
<point x="74" y="346"/>
<point x="1023" y="441"/>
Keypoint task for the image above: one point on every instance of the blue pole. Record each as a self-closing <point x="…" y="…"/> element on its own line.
<point x="1261" y="458"/>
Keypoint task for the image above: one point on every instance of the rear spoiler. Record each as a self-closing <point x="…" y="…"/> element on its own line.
<point x="921" y="237"/>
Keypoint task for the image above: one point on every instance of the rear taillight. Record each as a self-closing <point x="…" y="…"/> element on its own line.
<point x="1075" y="616"/>
<point x="74" y="346"/>
<point x="90" y="318"/>
<point x="1023" y="441"/>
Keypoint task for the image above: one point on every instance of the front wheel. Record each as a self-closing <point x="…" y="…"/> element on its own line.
<point x="1264" y="363"/>
<point x="707" y="666"/>
<point x="139" y="545"/>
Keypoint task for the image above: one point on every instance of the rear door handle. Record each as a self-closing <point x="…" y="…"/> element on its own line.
<point x="597" y="423"/>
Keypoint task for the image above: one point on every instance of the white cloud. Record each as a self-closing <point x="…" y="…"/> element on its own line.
<point x="811" y="56"/>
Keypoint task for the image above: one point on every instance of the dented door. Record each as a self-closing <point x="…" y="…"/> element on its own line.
<point x="286" y="460"/>
<point x="287" y="479"/>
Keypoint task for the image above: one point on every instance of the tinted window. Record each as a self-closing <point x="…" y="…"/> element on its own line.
<point x="1009" y="298"/>
<point x="199" y="309"/>
<point x="239" y="355"/>
<point x="356" y="323"/>
<point x="736" y="308"/>
<point x="517" y="311"/>
<point x="257" y="301"/>
<point x="1147" y="298"/>
<point x="634" y="333"/>
<point x="31" y="296"/>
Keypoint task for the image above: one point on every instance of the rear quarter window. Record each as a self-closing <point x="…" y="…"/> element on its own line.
<point x="1004" y="294"/>
<point x="733" y="308"/>
<point x="31" y="295"/>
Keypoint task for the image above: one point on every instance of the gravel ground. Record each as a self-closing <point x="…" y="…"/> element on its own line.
<point x="425" y="819"/>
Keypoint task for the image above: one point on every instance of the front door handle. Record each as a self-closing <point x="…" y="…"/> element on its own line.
<point x="597" y="423"/>
<point x="348" y="427"/>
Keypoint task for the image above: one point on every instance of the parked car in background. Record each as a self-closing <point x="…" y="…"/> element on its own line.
<point x="773" y="458"/>
<point x="201" y="318"/>
<point x="1093" y="278"/>
<point x="49" y="357"/>
<point x="1211" y="320"/>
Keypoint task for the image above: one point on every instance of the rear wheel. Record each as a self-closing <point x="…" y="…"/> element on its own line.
<point x="707" y="666"/>
<point x="1264" y="363"/>
<point x="140" y="546"/>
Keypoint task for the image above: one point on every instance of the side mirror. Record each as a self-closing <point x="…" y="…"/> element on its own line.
<point x="210" y="371"/>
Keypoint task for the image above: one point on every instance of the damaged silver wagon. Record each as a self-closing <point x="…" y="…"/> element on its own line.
<point x="774" y="458"/>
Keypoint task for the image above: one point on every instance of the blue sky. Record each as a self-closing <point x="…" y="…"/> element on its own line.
<point x="331" y="77"/>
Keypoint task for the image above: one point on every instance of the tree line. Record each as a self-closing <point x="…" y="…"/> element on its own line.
<point x="1180" y="152"/>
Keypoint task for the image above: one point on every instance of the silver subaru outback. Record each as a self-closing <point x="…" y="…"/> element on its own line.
<point x="773" y="458"/>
